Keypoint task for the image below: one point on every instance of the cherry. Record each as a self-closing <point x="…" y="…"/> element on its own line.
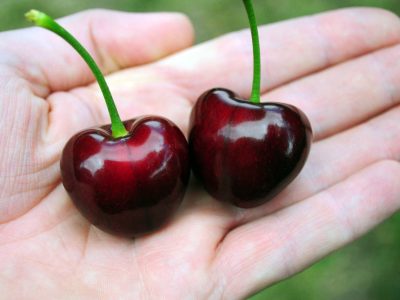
<point x="246" y="152"/>
<point x="130" y="185"/>
<point x="127" y="178"/>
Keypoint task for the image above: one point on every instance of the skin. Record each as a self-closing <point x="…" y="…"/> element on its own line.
<point x="341" y="68"/>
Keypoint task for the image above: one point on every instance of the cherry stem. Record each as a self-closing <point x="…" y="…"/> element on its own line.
<point x="255" y="93"/>
<point x="42" y="20"/>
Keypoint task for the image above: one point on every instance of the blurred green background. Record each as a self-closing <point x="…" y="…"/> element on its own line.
<point x="367" y="269"/>
<point x="210" y="17"/>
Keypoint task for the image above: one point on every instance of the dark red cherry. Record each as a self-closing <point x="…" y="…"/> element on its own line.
<point x="127" y="178"/>
<point x="246" y="153"/>
<point x="131" y="185"/>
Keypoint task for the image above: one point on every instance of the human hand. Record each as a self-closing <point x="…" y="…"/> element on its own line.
<point x="342" y="69"/>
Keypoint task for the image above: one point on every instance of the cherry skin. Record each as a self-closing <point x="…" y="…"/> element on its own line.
<point x="127" y="178"/>
<point x="245" y="153"/>
<point x="127" y="186"/>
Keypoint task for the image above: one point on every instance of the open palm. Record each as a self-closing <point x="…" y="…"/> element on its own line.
<point x="341" y="68"/>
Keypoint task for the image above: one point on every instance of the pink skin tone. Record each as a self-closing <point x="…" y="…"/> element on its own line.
<point x="211" y="250"/>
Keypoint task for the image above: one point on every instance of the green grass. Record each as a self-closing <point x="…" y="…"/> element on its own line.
<point x="368" y="269"/>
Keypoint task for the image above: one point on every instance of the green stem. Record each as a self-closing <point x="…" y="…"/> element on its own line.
<point x="255" y="93"/>
<point x="40" y="19"/>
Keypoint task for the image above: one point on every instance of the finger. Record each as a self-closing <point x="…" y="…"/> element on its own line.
<point x="175" y="76"/>
<point x="275" y="247"/>
<point x="136" y="96"/>
<point x="290" y="50"/>
<point x="336" y="158"/>
<point x="368" y="86"/>
<point x="115" y="39"/>
<point x="348" y="94"/>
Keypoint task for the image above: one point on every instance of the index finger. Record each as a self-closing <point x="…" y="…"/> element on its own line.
<point x="290" y="49"/>
<point x="116" y="40"/>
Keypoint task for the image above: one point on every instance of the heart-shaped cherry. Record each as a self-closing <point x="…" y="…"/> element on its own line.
<point x="246" y="152"/>
<point x="130" y="185"/>
<point x="126" y="182"/>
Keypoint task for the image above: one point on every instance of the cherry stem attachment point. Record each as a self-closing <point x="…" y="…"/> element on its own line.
<point x="42" y="20"/>
<point x="255" y="93"/>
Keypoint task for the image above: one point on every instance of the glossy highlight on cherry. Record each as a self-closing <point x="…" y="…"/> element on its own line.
<point x="246" y="153"/>
<point x="126" y="178"/>
<point x="127" y="186"/>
